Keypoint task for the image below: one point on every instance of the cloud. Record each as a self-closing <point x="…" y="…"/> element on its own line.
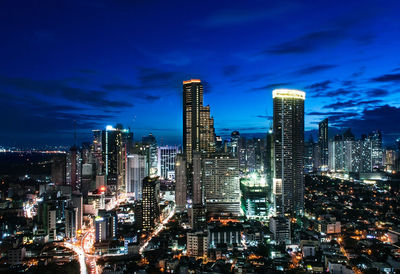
<point x="387" y="78"/>
<point x="58" y="88"/>
<point x="327" y="113"/>
<point x="264" y="116"/>
<point x="306" y="43"/>
<point x="380" y="117"/>
<point x="319" y="86"/>
<point x="377" y="92"/>
<point x="351" y="103"/>
<point x="314" y="69"/>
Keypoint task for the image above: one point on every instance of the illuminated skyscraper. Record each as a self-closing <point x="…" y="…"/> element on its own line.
<point x="323" y="143"/>
<point x="198" y="125"/>
<point x="116" y="143"/>
<point x="288" y="123"/>
<point x="150" y="209"/>
<point x="198" y="128"/>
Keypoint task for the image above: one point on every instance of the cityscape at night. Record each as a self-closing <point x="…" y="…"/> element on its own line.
<point x="200" y="137"/>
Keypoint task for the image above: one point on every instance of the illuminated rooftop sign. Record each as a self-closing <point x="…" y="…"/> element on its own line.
<point x="288" y="93"/>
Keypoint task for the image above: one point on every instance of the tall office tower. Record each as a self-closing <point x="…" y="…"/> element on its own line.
<point x="221" y="184"/>
<point x="308" y="155"/>
<point x="197" y="180"/>
<point x="323" y="143"/>
<point x="58" y="169"/>
<point x="166" y="161"/>
<point x="288" y="123"/>
<point x="198" y="127"/>
<point x="74" y="168"/>
<point x="180" y="182"/>
<point x="136" y="171"/>
<point x="115" y="144"/>
<point x="97" y="151"/>
<point x="71" y="220"/>
<point x="235" y="136"/>
<point x="77" y="202"/>
<point x="242" y="155"/>
<point x="150" y="209"/>
<point x="377" y="150"/>
<point x="150" y="145"/>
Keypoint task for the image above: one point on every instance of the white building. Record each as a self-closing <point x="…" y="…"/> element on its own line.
<point x="166" y="161"/>
<point x="135" y="173"/>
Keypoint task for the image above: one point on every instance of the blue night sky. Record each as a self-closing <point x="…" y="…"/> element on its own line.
<point x="107" y="62"/>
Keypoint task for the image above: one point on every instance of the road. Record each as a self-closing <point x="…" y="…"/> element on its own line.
<point x="159" y="228"/>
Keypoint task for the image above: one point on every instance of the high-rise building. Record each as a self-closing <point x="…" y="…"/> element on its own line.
<point x="180" y="182"/>
<point x="254" y="198"/>
<point x="166" y="161"/>
<point x="74" y="168"/>
<point x="377" y="151"/>
<point x="221" y="184"/>
<point x="116" y="143"/>
<point x="136" y="171"/>
<point x="288" y="124"/>
<point x="77" y="202"/>
<point x="58" y="169"/>
<point x="150" y="145"/>
<point x="198" y="128"/>
<point x="106" y="224"/>
<point x="150" y="201"/>
<point x="198" y="125"/>
<point x="323" y="140"/>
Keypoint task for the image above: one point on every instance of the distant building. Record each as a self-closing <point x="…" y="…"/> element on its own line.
<point x="166" y="161"/>
<point x="58" y="169"/>
<point x="150" y="144"/>
<point x="323" y="140"/>
<point x="136" y="171"/>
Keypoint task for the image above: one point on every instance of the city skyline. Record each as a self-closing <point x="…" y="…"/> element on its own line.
<point x="106" y="69"/>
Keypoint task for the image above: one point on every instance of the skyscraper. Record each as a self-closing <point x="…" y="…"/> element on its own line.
<point x="198" y="128"/>
<point x="116" y="143"/>
<point x="288" y="124"/>
<point x="323" y="143"/>
<point x="180" y="182"/>
<point x="150" y="209"/>
<point x="198" y="125"/>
